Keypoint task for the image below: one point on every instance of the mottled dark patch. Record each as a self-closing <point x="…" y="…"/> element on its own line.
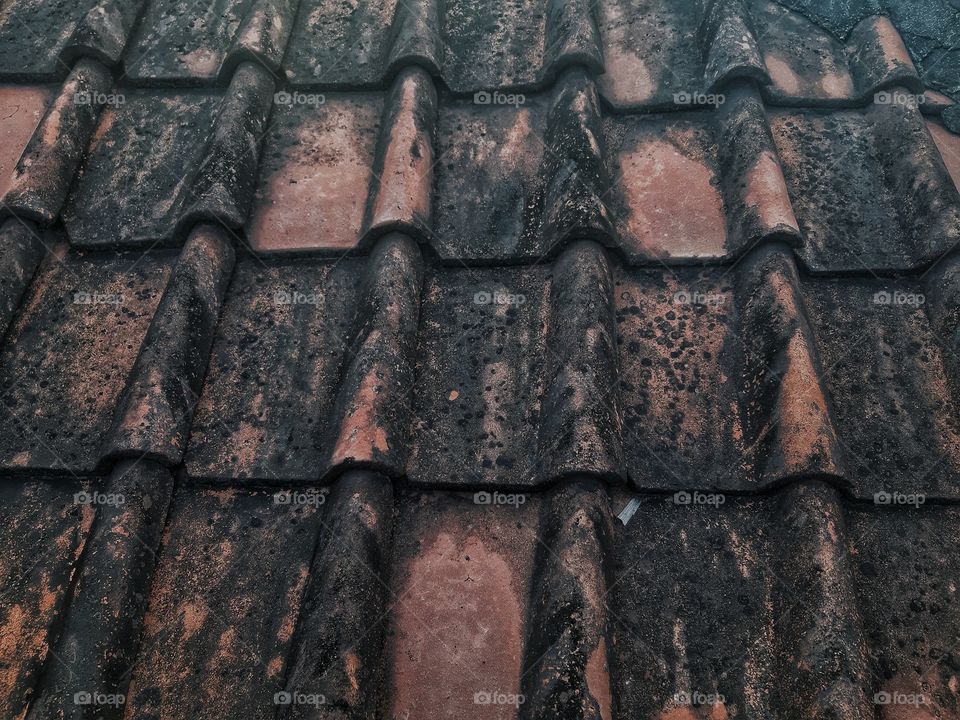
<point x="184" y="42"/>
<point x="118" y="202"/>
<point x="274" y="369"/>
<point x="69" y="352"/>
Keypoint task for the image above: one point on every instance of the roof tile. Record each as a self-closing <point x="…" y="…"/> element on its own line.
<point x="23" y="108"/>
<point x="69" y="352"/>
<point x="461" y="283"/>
<point x="40" y="181"/>
<point x="153" y="417"/>
<point x="102" y="624"/>
<point x="44" y="530"/>
<point x="179" y="40"/>
<point x="316" y="174"/>
<point x="282" y="326"/>
<point x="138" y="204"/>
<point x="34" y="33"/>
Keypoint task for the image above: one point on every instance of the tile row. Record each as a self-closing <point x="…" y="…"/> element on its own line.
<point x="644" y="53"/>
<point x="258" y="371"/>
<point x="850" y="189"/>
<point x="367" y="602"/>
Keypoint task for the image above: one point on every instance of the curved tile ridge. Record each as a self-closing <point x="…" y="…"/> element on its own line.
<point x="103" y="32"/>
<point x="943" y="307"/>
<point x="812" y="65"/>
<point x="566" y="668"/>
<point x="222" y="189"/>
<point x="415" y="37"/>
<point x="43" y="174"/>
<point x="21" y="250"/>
<point x="372" y="411"/>
<point x="43" y="535"/>
<point x="823" y="660"/>
<point x="399" y="197"/>
<point x="879" y="57"/>
<point x="338" y="641"/>
<point x="732" y="52"/>
<point x="753" y="186"/>
<point x="462" y="43"/>
<point x="580" y="432"/>
<point x="571" y="37"/>
<point x="153" y="417"/>
<point x="577" y="183"/>
<point x="261" y="38"/>
<point x="928" y="202"/>
<point x="788" y="429"/>
<point x="103" y="619"/>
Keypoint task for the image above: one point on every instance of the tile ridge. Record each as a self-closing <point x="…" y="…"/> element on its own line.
<point x="731" y="51"/>
<point x="103" y="616"/>
<point x="154" y="414"/>
<point x="789" y="428"/>
<point x="574" y="170"/>
<point x="399" y="195"/>
<point x="568" y="642"/>
<point x="579" y="432"/>
<point x="104" y="32"/>
<point x="759" y="208"/>
<point x="50" y="160"/>
<point x="337" y="643"/>
<point x="223" y="186"/>
<point x="823" y="656"/>
<point x="370" y="421"/>
<point x="261" y="38"/>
